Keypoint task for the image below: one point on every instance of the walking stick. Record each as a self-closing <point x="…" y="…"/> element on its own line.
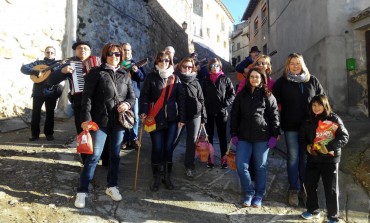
<point x="138" y="153"/>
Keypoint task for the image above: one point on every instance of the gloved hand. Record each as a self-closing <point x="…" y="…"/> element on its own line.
<point x="35" y="72"/>
<point x="272" y="142"/>
<point x="234" y="140"/>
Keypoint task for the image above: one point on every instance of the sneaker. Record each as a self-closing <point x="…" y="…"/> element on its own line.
<point x="257" y="202"/>
<point x="34" y="138"/>
<point x="210" y="163"/>
<point x="189" y="173"/>
<point x="224" y="163"/>
<point x="113" y="193"/>
<point x="293" y="198"/>
<point x="307" y="215"/>
<point x="50" y="138"/>
<point x="332" y="221"/>
<point x="80" y="200"/>
<point x="247" y="201"/>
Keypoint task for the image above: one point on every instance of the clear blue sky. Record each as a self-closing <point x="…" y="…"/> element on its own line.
<point x="236" y="8"/>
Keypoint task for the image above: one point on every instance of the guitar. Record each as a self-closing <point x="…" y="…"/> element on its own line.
<point x="45" y="71"/>
<point x="128" y="67"/>
<point x="241" y="76"/>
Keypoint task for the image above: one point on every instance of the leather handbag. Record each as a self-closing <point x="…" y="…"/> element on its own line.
<point x="126" y="119"/>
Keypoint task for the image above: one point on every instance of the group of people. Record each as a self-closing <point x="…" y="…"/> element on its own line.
<point x="296" y="103"/>
<point x="171" y="98"/>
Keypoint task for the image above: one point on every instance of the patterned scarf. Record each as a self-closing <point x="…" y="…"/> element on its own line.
<point x="297" y="78"/>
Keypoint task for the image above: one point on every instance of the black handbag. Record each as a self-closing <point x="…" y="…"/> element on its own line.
<point x="126" y="118"/>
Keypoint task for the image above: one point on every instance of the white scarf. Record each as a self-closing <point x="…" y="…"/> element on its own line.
<point x="165" y="73"/>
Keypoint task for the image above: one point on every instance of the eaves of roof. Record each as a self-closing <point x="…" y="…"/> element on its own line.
<point x="361" y="15"/>
<point x="226" y="10"/>
<point x="250" y="8"/>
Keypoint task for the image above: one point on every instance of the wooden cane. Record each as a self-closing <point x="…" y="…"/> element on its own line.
<point x="138" y="153"/>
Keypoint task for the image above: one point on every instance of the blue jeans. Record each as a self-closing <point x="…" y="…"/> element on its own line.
<point x="296" y="160"/>
<point x="259" y="150"/>
<point x="115" y="135"/>
<point x="162" y="143"/>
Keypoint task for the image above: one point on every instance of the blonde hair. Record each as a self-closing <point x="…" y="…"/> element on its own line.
<point x="268" y="61"/>
<point x="301" y="62"/>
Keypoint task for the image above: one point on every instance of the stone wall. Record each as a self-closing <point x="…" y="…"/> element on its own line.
<point x="147" y="27"/>
<point x="27" y="27"/>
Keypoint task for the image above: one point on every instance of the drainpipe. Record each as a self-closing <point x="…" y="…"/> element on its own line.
<point x="64" y="108"/>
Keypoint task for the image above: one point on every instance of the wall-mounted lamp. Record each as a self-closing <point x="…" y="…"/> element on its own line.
<point x="184" y="25"/>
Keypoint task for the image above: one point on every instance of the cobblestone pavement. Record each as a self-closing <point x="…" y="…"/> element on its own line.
<point x="39" y="179"/>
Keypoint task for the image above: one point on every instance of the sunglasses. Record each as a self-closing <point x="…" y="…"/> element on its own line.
<point x="261" y="63"/>
<point x="215" y="65"/>
<point x="164" y="60"/>
<point x="116" y="54"/>
<point x="49" y="52"/>
<point x="187" y="67"/>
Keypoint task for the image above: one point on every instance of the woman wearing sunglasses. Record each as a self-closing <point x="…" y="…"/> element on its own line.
<point x="101" y="105"/>
<point x="195" y="110"/>
<point x="263" y="62"/>
<point x="162" y="102"/>
<point x="218" y="94"/>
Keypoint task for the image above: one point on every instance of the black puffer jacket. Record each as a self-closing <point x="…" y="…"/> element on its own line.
<point x="294" y="99"/>
<point x="98" y="102"/>
<point x="254" y="116"/>
<point x="308" y="133"/>
<point x="194" y="99"/>
<point x="173" y="111"/>
<point x="218" y="96"/>
<point x="27" y="69"/>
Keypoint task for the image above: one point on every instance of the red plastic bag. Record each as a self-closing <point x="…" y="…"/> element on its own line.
<point x="84" y="140"/>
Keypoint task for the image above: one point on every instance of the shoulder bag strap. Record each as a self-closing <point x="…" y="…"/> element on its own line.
<point x="166" y="92"/>
<point x="115" y="90"/>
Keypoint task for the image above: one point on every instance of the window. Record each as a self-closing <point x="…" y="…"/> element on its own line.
<point x="238" y="46"/>
<point x="218" y="39"/>
<point x="225" y="45"/>
<point x="256" y="26"/>
<point x="264" y="14"/>
<point x="238" y="58"/>
<point x="208" y="33"/>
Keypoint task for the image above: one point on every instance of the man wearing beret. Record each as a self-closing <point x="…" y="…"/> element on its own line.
<point x="82" y="51"/>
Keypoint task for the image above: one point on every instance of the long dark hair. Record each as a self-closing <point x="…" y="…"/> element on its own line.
<point x="263" y="84"/>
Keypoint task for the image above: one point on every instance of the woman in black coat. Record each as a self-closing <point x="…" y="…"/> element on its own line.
<point x="168" y="117"/>
<point x="255" y="121"/>
<point x="218" y="94"/>
<point x="101" y="105"/>
<point x="195" y="110"/>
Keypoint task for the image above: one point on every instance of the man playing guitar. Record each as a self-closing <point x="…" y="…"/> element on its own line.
<point x="39" y="98"/>
<point x="243" y="67"/>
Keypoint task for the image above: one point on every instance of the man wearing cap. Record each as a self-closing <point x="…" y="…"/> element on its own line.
<point x="242" y="67"/>
<point x="82" y="54"/>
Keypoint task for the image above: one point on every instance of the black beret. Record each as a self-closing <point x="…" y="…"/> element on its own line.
<point x="76" y="44"/>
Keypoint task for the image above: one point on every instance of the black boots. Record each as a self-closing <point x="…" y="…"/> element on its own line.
<point x="156" y="177"/>
<point x="156" y="168"/>
<point x="167" y="176"/>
